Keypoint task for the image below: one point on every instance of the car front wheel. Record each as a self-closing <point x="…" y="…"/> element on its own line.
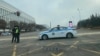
<point x="44" y="37"/>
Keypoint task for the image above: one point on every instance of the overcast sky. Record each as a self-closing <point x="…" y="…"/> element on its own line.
<point x="57" y="11"/>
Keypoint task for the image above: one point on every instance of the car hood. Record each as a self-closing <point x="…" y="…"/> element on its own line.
<point x="42" y="32"/>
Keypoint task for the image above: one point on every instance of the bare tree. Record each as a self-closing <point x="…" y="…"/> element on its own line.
<point x="30" y="26"/>
<point x="40" y="27"/>
<point x="13" y="23"/>
<point x="3" y="24"/>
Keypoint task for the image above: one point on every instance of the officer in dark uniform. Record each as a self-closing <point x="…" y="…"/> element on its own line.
<point x="14" y="34"/>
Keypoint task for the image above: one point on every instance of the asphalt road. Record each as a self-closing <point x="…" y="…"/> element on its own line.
<point x="86" y="44"/>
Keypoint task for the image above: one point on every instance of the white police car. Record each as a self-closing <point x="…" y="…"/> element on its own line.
<point x="67" y="32"/>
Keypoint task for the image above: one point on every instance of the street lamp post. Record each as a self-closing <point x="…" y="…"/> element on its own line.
<point x="79" y="13"/>
<point x="50" y="24"/>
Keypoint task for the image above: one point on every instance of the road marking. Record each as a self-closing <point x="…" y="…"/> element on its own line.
<point x="91" y="51"/>
<point x="40" y="49"/>
<point x="14" y="50"/>
<point x="62" y="43"/>
<point x="72" y="45"/>
<point x="55" y="43"/>
<point x="82" y="34"/>
<point x="51" y="44"/>
<point x="34" y="37"/>
<point x="91" y="41"/>
<point x="60" y="54"/>
<point x="30" y="51"/>
<point x="27" y="45"/>
<point x="31" y="44"/>
<point x="88" y="50"/>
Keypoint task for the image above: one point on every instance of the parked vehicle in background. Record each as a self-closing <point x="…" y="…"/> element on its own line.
<point x="5" y="33"/>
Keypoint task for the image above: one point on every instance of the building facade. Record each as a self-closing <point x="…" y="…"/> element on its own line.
<point x="8" y="13"/>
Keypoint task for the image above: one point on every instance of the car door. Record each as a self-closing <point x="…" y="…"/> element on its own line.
<point x="63" y="32"/>
<point x="53" y="33"/>
<point x="60" y="32"/>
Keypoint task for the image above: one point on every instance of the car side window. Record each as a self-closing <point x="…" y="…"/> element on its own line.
<point x="51" y="29"/>
<point x="63" y="28"/>
<point x="54" y="29"/>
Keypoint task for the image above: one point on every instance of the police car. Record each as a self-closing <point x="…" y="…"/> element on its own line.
<point x="67" y="32"/>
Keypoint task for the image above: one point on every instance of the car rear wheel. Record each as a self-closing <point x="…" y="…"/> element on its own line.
<point x="44" y="37"/>
<point x="69" y="35"/>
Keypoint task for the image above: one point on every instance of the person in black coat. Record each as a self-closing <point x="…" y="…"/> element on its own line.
<point x="14" y="39"/>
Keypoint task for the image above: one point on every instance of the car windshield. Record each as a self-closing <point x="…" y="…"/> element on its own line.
<point x="49" y="27"/>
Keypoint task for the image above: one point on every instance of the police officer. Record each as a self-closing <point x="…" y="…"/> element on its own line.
<point x="16" y="34"/>
<point x="13" y="34"/>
